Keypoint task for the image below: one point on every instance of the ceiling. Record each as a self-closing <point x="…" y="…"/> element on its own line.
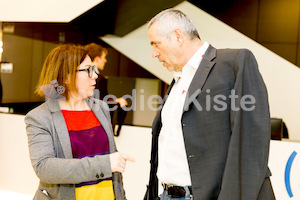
<point x="62" y="11"/>
<point x="100" y="17"/>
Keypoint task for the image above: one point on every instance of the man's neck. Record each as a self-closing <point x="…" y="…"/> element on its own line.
<point x="191" y="47"/>
<point x="194" y="46"/>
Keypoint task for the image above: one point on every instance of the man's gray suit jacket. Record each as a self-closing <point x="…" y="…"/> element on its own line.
<point x="51" y="153"/>
<point x="227" y="150"/>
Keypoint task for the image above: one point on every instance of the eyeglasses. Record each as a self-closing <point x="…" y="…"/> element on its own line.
<point x="90" y="70"/>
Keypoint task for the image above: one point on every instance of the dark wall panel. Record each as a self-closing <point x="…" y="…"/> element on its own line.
<point x="18" y="51"/>
<point x="242" y="15"/>
<point x="278" y="21"/>
<point x="298" y="56"/>
<point x="112" y="66"/>
<point x="285" y="50"/>
<point x="272" y="23"/>
<point x="131" y="14"/>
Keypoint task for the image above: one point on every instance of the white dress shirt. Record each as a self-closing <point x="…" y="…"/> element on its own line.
<point x="172" y="159"/>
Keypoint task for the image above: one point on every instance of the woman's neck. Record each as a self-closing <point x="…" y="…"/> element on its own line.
<point x="73" y="104"/>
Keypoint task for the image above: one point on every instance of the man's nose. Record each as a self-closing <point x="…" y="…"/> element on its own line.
<point x="154" y="54"/>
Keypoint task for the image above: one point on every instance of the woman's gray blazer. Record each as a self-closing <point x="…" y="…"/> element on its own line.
<point x="51" y="153"/>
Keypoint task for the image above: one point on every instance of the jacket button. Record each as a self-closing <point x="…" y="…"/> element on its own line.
<point x="97" y="176"/>
<point x="102" y="175"/>
<point x="183" y="124"/>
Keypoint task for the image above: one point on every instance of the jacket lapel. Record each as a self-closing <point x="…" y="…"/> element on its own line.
<point x="104" y="120"/>
<point x="200" y="76"/>
<point x="156" y="125"/>
<point x="96" y="108"/>
<point x="168" y="91"/>
<point x="60" y="127"/>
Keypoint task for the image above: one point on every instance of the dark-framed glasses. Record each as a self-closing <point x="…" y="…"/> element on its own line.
<point x="90" y="70"/>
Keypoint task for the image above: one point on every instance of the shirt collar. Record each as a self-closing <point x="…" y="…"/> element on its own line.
<point x="177" y="75"/>
<point x="197" y="57"/>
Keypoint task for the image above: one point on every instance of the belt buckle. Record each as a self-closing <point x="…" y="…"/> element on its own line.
<point x="175" y="191"/>
<point x="166" y="186"/>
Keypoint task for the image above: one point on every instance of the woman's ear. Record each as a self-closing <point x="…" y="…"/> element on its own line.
<point x="68" y="80"/>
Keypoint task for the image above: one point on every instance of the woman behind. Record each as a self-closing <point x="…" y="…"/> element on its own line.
<point x="70" y="138"/>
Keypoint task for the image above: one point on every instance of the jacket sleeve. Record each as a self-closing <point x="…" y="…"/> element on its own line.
<point x="48" y="161"/>
<point x="246" y="165"/>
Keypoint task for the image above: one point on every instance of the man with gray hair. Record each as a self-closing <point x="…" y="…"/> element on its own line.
<point x="211" y="138"/>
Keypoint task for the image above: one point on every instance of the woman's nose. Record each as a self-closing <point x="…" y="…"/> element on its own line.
<point x="95" y="75"/>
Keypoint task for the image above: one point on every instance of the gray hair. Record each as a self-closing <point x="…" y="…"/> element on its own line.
<point x="168" y="20"/>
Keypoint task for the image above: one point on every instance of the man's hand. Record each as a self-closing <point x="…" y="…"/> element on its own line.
<point x="122" y="102"/>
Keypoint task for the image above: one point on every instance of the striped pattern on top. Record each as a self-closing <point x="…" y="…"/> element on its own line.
<point x="88" y="138"/>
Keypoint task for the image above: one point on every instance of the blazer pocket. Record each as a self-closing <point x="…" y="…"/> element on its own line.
<point x="47" y="192"/>
<point x="218" y="89"/>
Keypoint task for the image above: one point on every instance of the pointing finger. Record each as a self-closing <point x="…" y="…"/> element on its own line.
<point x="128" y="158"/>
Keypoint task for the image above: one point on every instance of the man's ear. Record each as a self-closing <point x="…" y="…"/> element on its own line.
<point x="96" y="59"/>
<point x="179" y="36"/>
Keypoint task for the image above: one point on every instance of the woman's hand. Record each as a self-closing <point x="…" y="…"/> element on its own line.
<point x="118" y="161"/>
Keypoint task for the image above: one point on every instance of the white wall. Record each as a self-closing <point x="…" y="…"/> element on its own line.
<point x="280" y="153"/>
<point x="145" y="111"/>
<point x="16" y="173"/>
<point x="281" y="77"/>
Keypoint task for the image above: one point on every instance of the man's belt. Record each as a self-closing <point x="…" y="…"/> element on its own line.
<point x="176" y="191"/>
